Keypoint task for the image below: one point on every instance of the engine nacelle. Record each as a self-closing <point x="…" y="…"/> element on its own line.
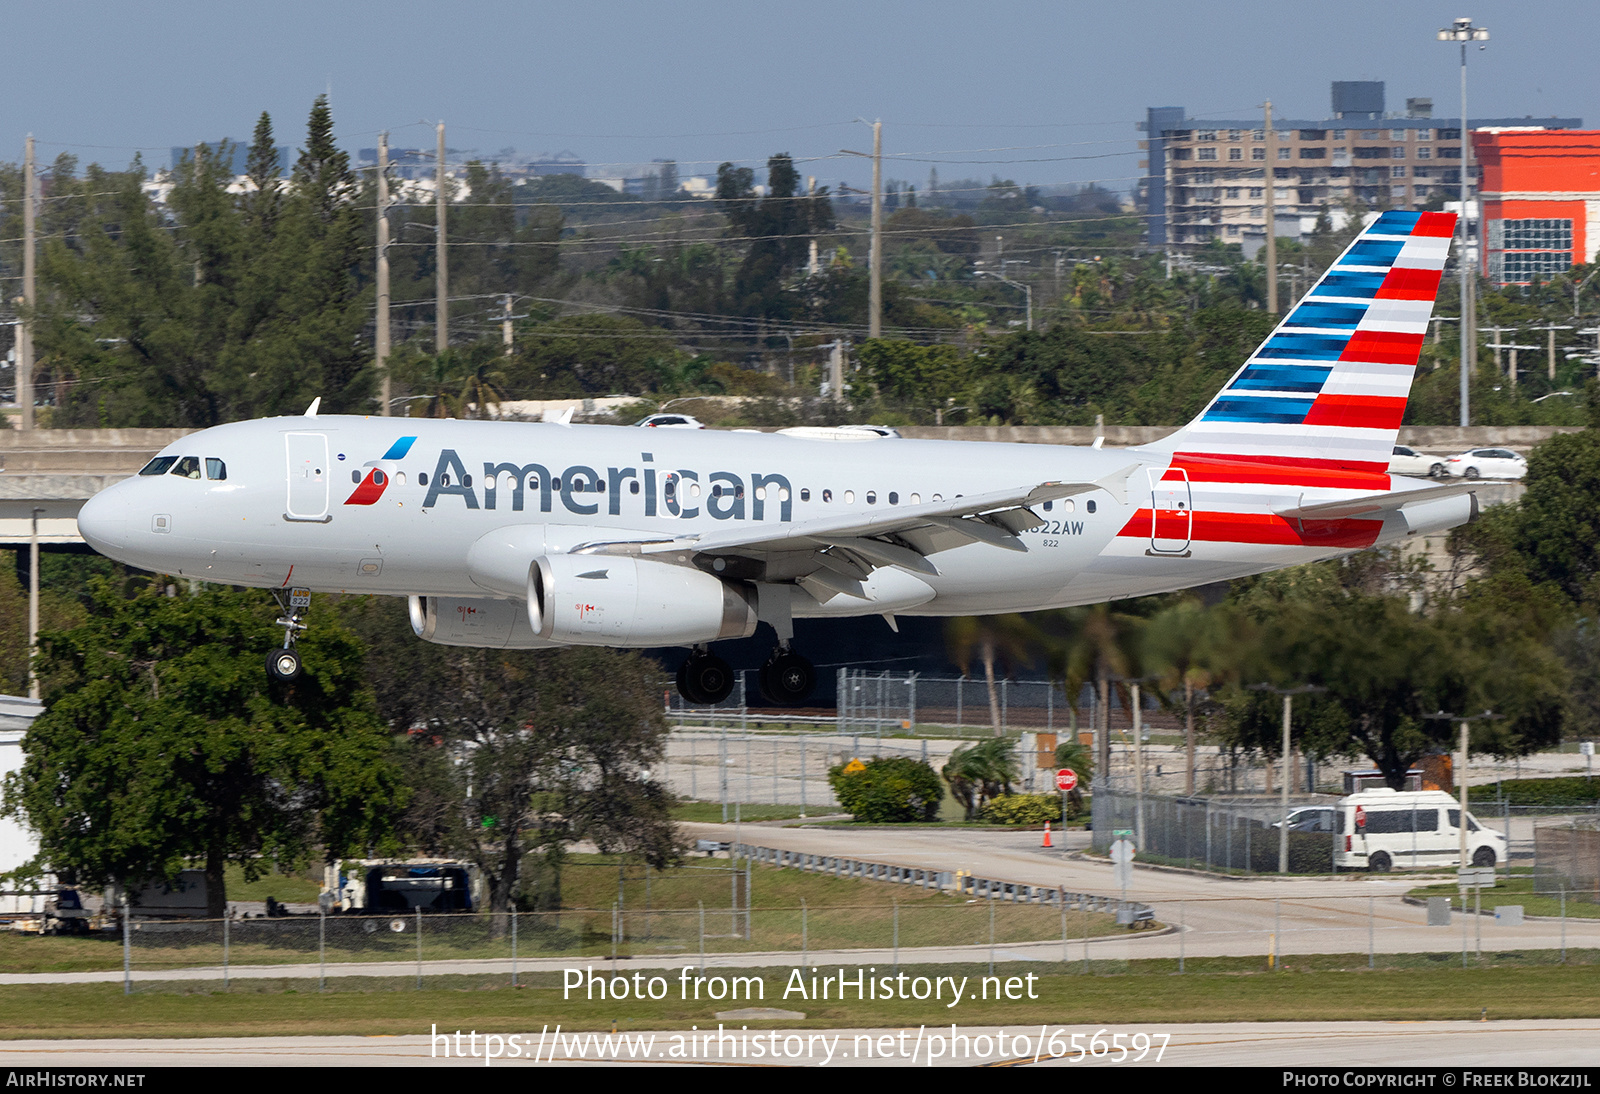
<point x="485" y="624"/>
<point x="622" y="600"/>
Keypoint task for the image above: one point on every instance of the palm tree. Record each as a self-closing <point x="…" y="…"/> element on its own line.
<point x="482" y="389"/>
<point x="1101" y="646"/>
<point x="977" y="773"/>
<point x="439" y="382"/>
<point x="1010" y="639"/>
<point x="1191" y="647"/>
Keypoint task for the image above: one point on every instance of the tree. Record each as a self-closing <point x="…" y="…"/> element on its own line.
<point x="1190" y="647"/>
<point x="778" y="227"/>
<point x="1386" y="668"/>
<point x="1006" y="639"/>
<point x="977" y="773"/>
<point x="517" y="754"/>
<point x="163" y="744"/>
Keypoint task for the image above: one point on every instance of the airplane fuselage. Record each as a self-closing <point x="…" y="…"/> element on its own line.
<point x="394" y="507"/>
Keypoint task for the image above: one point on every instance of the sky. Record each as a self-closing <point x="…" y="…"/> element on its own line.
<point x="1042" y="93"/>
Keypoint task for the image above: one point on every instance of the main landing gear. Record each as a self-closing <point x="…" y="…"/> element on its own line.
<point x="284" y="663"/>
<point x="786" y="679"/>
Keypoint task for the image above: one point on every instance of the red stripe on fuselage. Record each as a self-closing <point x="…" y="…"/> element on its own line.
<point x="1266" y="528"/>
<point x="1357" y="411"/>
<point x="1282" y="471"/>
<point x="1405" y="284"/>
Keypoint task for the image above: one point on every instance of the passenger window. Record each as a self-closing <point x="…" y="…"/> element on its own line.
<point x="422" y="478"/>
<point x="1089" y="505"/>
<point x="216" y="469"/>
<point x="188" y="467"/>
<point x="894" y="498"/>
<point x="872" y="497"/>
<point x="805" y="493"/>
<point x="827" y="495"/>
<point x="159" y="466"/>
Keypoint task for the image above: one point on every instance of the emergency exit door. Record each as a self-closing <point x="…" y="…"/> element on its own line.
<point x="1171" y="511"/>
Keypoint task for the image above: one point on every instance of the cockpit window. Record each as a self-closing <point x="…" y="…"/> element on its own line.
<point x="188" y="467"/>
<point x="159" y="466"/>
<point x="216" y="469"/>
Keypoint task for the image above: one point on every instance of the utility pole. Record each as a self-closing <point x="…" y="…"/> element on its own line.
<point x="383" y="336"/>
<point x="1288" y="777"/>
<point x="836" y="371"/>
<point x="505" y="327"/>
<point x="814" y="265"/>
<point x="1268" y="192"/>
<point x="33" y="594"/>
<point x="875" y="291"/>
<point x="441" y="333"/>
<point x="29" y="295"/>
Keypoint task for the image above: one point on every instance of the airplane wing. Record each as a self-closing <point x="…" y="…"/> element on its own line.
<point x="1365" y="504"/>
<point x="844" y="550"/>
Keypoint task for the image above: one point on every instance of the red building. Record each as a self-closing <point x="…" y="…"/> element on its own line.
<point x="1541" y="201"/>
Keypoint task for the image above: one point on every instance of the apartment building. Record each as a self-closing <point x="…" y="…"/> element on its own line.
<point x="1207" y="179"/>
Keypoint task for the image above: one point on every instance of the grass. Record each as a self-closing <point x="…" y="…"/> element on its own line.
<point x="788" y="909"/>
<point x="1517" y="890"/>
<point x="1406" y="987"/>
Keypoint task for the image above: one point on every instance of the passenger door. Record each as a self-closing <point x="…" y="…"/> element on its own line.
<point x="309" y="475"/>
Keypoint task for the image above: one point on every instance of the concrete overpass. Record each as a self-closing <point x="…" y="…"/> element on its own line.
<point x="55" y="471"/>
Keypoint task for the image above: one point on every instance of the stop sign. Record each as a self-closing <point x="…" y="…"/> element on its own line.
<point x="1066" y="779"/>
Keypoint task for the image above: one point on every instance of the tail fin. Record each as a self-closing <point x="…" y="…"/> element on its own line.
<point x="1329" y="386"/>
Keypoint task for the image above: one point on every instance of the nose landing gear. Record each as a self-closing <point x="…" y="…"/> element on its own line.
<point x="284" y="663"/>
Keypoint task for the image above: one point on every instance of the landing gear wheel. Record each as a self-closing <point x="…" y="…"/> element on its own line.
<point x="705" y="679"/>
<point x="787" y="678"/>
<point x="283" y="664"/>
<point x="1380" y="863"/>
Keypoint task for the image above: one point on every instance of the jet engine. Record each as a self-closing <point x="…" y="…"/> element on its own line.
<point x="485" y="624"/>
<point x="622" y="600"/>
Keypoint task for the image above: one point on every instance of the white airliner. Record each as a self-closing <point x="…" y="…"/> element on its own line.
<point x="527" y="535"/>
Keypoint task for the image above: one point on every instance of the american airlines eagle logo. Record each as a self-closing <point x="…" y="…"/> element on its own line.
<point x="376" y="481"/>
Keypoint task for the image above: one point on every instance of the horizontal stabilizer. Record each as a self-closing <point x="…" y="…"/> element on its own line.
<point x="1366" y="504"/>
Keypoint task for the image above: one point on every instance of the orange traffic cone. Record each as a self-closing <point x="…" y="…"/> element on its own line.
<point x="1046" y="834"/>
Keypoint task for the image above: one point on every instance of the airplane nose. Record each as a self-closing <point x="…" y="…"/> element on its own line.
<point x="103" y="521"/>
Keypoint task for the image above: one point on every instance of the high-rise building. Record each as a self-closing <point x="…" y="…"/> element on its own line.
<point x="1207" y="179"/>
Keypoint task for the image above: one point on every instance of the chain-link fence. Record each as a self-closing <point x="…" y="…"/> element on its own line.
<point x="1233" y="835"/>
<point x="1567" y="858"/>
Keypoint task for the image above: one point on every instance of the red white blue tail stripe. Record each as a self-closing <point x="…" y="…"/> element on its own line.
<point x="1331" y="382"/>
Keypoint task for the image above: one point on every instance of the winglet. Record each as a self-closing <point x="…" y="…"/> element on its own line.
<point x="311" y="411"/>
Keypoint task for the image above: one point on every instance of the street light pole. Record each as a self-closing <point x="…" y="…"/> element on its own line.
<point x="1463" y="31"/>
<point x="1288" y="700"/>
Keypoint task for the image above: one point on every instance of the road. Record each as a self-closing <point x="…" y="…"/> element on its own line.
<point x="1218" y="916"/>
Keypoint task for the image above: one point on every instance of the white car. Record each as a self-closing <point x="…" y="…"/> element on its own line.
<point x="1408" y="461"/>
<point x="1487" y="463"/>
<point x="670" y="421"/>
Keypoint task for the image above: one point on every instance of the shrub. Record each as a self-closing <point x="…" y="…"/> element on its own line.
<point x="1570" y="790"/>
<point x="1023" y="809"/>
<point x="891" y="790"/>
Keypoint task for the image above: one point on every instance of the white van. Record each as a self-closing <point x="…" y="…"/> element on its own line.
<point x="1383" y="829"/>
